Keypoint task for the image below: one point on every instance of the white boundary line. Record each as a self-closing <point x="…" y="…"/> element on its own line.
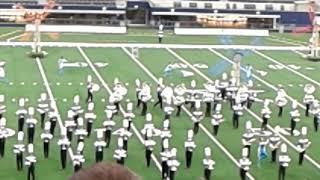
<point x="8" y="34"/>
<point x="286" y="67"/>
<point x="285" y="42"/>
<point x="185" y="110"/>
<point x="289" y="40"/>
<point x="146" y="45"/>
<point x="106" y="87"/>
<point x="253" y="114"/>
<point x="15" y="37"/>
<point x="54" y="104"/>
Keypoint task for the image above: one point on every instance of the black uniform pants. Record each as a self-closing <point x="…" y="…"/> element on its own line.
<point x="280" y="111"/>
<point x="307" y="110"/>
<point x="274" y="155"/>
<point x="77" y="167"/>
<point x="172" y="174"/>
<point x="196" y="127"/>
<point x="208" y="109"/>
<point x="42" y="117"/>
<point x="165" y="169"/>
<point x="249" y="150"/>
<point x="19" y="161"/>
<point x="20" y="124"/>
<point x="242" y="174"/>
<point x="89" y="128"/>
<point x="121" y="161"/>
<point x="178" y="111"/>
<point x="207" y="174"/>
<point x="63" y="158"/>
<point x="46" y="146"/>
<point x="2" y="146"/>
<point x="148" y="154"/>
<point x="293" y="126"/>
<point x="31" y="175"/>
<point x="52" y="126"/>
<point x="188" y="158"/>
<point x="264" y="123"/>
<point x="315" y="123"/>
<point x="138" y="99"/>
<point x="215" y="130"/>
<point x="144" y="108"/>
<point x="301" y="157"/>
<point x="89" y="96"/>
<point x="69" y="134"/>
<point x="235" y="120"/>
<point x="125" y="145"/>
<point x="99" y="155"/>
<point x="282" y="172"/>
<point x="159" y="100"/>
<point x="107" y="137"/>
<point x="31" y="134"/>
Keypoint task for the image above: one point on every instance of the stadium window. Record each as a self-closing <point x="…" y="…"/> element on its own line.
<point x="177" y="4"/>
<point x="282" y="8"/>
<point x="234" y="6"/>
<point x="269" y="7"/>
<point x="208" y="5"/>
<point x="249" y="6"/>
<point x="193" y="5"/>
<point x="227" y="6"/>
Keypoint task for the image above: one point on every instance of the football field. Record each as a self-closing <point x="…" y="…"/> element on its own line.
<point x="28" y="78"/>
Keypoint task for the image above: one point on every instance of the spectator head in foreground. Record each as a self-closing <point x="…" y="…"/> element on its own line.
<point x="105" y="171"/>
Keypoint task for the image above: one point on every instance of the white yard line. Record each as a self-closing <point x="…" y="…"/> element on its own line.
<point x="10" y="33"/>
<point x="106" y="87"/>
<point x="290" y="40"/>
<point x="54" y="104"/>
<point x="285" y="42"/>
<point x="253" y="114"/>
<point x="222" y="148"/>
<point x="256" y="77"/>
<point x="155" y="45"/>
<point x="286" y="67"/>
<point x="295" y="43"/>
<point x="15" y="37"/>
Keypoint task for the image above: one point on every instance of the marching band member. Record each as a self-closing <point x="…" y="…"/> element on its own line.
<point x="316" y="114"/>
<point x="281" y="100"/>
<point x="165" y="155"/>
<point x="274" y="145"/>
<point x="147" y="125"/>
<point x="208" y="163"/>
<point x="43" y="108"/>
<point x="80" y="148"/>
<point x="46" y="137"/>
<point x="64" y="144"/>
<point x="266" y="114"/>
<point x="99" y="144"/>
<point x="108" y="125"/>
<point x="173" y="163"/>
<point x="90" y="116"/>
<point x="294" y="114"/>
<point x="2" y="106"/>
<point x="165" y="132"/>
<point x="149" y="144"/>
<point x="284" y="161"/>
<point x="248" y="137"/>
<point x="208" y="98"/>
<point x="308" y="97"/>
<point x="31" y="124"/>
<point x="189" y="146"/>
<point x="21" y="113"/>
<point x="3" y="135"/>
<point x="89" y="89"/>
<point x="223" y="84"/>
<point x="129" y="115"/>
<point x="77" y="160"/>
<point x="244" y="163"/>
<point x="237" y="112"/>
<point x="18" y="149"/>
<point x="76" y="108"/>
<point x="191" y="96"/>
<point x="53" y="117"/>
<point x="120" y="154"/>
<point x="303" y="144"/>
<point x="145" y="96"/>
<point x="197" y="116"/>
<point x="232" y="89"/>
<point x="124" y="134"/>
<point x="80" y="131"/>
<point x="30" y="162"/>
<point x="138" y="90"/>
<point x="159" y="94"/>
<point x="70" y="125"/>
<point x="160" y="33"/>
<point x="217" y="119"/>
<point x="179" y="99"/>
